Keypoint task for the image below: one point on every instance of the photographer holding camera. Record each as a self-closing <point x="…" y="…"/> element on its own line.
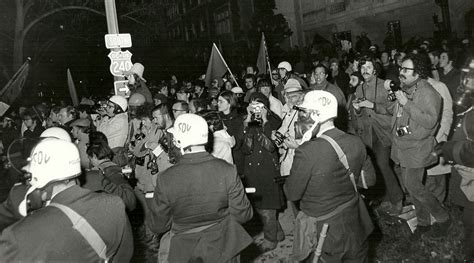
<point x="261" y="167"/>
<point x="372" y="110"/>
<point x="415" y="121"/>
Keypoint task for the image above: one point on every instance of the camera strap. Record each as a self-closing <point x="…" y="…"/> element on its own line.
<point x="80" y="224"/>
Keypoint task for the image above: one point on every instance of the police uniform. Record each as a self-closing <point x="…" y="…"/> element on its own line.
<point x="321" y="182"/>
<point x="202" y="202"/>
<point x="48" y="235"/>
<point x="460" y="149"/>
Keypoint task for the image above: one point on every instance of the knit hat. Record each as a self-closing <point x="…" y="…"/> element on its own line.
<point x="292" y="85"/>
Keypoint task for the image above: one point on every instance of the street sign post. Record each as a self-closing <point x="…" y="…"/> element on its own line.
<point x="121" y="88"/>
<point x="113" y="41"/>
<point x="120" y="61"/>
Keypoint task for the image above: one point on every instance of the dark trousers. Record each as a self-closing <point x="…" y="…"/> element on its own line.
<point x="468" y="221"/>
<point x="272" y="230"/>
<point x="381" y="154"/>
<point x="424" y="200"/>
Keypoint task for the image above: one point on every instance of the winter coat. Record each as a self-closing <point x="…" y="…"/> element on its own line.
<point x="421" y="114"/>
<point x="261" y="164"/>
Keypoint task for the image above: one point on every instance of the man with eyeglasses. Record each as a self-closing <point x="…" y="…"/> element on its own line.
<point x="180" y="108"/>
<point x="414" y="122"/>
<point x="372" y="113"/>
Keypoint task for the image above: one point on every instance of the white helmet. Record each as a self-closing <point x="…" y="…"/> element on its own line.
<point x="286" y="65"/>
<point x="189" y="129"/>
<point x="323" y="102"/>
<point x="51" y="160"/>
<point x="119" y="100"/>
<point x="56" y="132"/>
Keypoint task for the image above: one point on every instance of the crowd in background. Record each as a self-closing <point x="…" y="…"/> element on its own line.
<point x="252" y="125"/>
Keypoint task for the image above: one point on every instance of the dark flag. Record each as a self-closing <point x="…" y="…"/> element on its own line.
<point x="13" y="88"/>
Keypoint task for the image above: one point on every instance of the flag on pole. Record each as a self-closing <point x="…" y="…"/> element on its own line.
<point x="263" y="61"/>
<point x="216" y="67"/>
<point x="13" y="88"/>
<point x="72" y="89"/>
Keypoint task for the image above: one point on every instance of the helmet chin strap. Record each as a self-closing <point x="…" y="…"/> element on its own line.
<point x="309" y="133"/>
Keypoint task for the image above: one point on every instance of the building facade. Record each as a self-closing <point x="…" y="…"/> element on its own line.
<point x="329" y="17"/>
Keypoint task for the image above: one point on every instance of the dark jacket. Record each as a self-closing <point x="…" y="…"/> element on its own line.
<point x="234" y="123"/>
<point x="321" y="182"/>
<point x="421" y="114"/>
<point x="461" y="150"/>
<point x="376" y="121"/>
<point x="48" y="235"/>
<point x="108" y="177"/>
<point x="261" y="165"/>
<point x="319" y="179"/>
<point x="334" y="90"/>
<point x="200" y="190"/>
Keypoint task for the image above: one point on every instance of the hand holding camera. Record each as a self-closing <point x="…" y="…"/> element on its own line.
<point x="401" y="97"/>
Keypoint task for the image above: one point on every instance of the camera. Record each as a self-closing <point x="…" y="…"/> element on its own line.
<point x="392" y="87"/>
<point x="279" y="138"/>
<point x="257" y="108"/>
<point x="403" y="130"/>
<point x="357" y="100"/>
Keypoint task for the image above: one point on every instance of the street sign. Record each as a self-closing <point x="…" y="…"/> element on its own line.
<point x="120" y="61"/>
<point x="118" y="41"/>
<point x="121" y="88"/>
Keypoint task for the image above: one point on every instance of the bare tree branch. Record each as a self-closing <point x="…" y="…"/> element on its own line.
<point x="134" y="20"/>
<point x="134" y="11"/>
<point x="7" y="36"/>
<point x="56" y="10"/>
<point x="28" y="6"/>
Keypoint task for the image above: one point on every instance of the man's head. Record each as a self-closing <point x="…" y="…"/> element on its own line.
<point x="80" y="128"/>
<point x="293" y="92"/>
<point x="180" y="108"/>
<point x="284" y="68"/>
<point x="275" y="75"/>
<point x="199" y="86"/>
<point x="368" y="67"/>
<point x="447" y="59"/>
<point x="161" y="116"/>
<point x="356" y="79"/>
<point x="183" y="94"/>
<point x="265" y="87"/>
<point x="385" y="58"/>
<point x="98" y="152"/>
<point x="434" y="57"/>
<point x="31" y="119"/>
<point x="334" y="65"/>
<point x="320" y="74"/>
<point x="52" y="162"/>
<point x="66" y="114"/>
<point x="318" y="107"/>
<point x="250" y="81"/>
<point x="189" y="130"/>
<point x="116" y="105"/>
<point x="250" y="70"/>
<point x="414" y="67"/>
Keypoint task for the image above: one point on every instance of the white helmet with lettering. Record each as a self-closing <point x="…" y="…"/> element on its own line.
<point x="51" y="160"/>
<point x="189" y="129"/>
<point x="323" y="103"/>
<point x="56" y="132"/>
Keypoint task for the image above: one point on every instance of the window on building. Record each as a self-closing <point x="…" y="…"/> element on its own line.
<point x="222" y="18"/>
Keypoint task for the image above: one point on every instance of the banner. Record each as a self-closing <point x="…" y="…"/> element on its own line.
<point x="263" y="62"/>
<point x="216" y="68"/>
<point x="72" y="89"/>
<point x="13" y="88"/>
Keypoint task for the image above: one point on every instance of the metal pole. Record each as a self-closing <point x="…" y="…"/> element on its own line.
<point x="112" y="24"/>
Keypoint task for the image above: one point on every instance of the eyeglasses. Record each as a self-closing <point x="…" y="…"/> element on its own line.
<point x="405" y="69"/>
<point x="110" y="106"/>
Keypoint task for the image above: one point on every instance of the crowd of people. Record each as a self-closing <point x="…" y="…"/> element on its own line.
<point x="201" y="161"/>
